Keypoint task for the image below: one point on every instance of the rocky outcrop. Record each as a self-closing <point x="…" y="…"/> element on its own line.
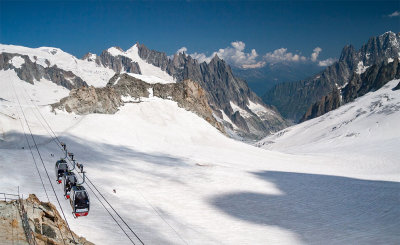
<point x="293" y="99"/>
<point x="222" y="87"/>
<point x="155" y="58"/>
<point x="326" y="104"/>
<point x="397" y="87"/>
<point x="88" y="100"/>
<point x="45" y="222"/>
<point x="187" y="94"/>
<point x="118" y="63"/>
<point x="372" y="79"/>
<point x="30" y="71"/>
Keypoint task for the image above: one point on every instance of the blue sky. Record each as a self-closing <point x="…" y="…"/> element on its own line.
<point x="282" y="29"/>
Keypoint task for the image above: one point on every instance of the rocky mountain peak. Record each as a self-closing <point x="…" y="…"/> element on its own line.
<point x="118" y="48"/>
<point x="294" y="99"/>
<point x="118" y="63"/>
<point x="374" y="78"/>
<point x="380" y="48"/>
<point x="216" y="59"/>
<point x="223" y="90"/>
<point x="348" y="54"/>
<point x="89" y="57"/>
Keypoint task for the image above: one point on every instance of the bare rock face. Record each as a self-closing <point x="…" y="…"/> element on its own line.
<point x="294" y="99"/>
<point x="188" y="95"/>
<point x="118" y="63"/>
<point x="372" y="79"/>
<point x="30" y="71"/>
<point x="327" y="103"/>
<point x="45" y="222"/>
<point x="217" y="78"/>
<point x="88" y="100"/>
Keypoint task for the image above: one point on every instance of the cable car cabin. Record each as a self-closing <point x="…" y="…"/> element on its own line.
<point x="61" y="168"/>
<point x="69" y="180"/>
<point x="79" y="201"/>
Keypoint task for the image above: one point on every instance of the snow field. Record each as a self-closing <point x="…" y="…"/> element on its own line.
<point x="180" y="181"/>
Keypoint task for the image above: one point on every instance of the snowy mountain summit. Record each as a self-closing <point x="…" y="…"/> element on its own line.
<point x="232" y="102"/>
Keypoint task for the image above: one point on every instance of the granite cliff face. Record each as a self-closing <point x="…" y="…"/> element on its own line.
<point x="45" y="222"/>
<point x="30" y="71"/>
<point x="118" y="63"/>
<point x="375" y="77"/>
<point x="223" y="89"/>
<point x="293" y="99"/>
<point x="187" y="94"/>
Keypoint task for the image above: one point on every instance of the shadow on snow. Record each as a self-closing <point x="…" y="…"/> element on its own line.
<point x="322" y="209"/>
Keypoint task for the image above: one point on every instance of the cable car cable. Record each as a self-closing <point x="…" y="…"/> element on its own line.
<point x="59" y="144"/>
<point x="34" y="160"/>
<point x="41" y="159"/>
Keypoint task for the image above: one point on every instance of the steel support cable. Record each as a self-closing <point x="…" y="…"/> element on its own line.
<point x="30" y="149"/>
<point x="58" y="142"/>
<point x="41" y="159"/>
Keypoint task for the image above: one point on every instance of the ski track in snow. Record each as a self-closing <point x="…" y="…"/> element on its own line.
<point x="323" y="187"/>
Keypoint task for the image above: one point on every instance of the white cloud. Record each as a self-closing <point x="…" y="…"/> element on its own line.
<point x="235" y="55"/>
<point x="314" y="55"/>
<point x="182" y="50"/>
<point x="256" y="65"/>
<point x="326" y="62"/>
<point x="201" y="57"/>
<point x="281" y="55"/>
<point x="394" y="14"/>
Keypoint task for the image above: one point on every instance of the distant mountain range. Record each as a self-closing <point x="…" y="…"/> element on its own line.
<point x="293" y="99"/>
<point x="228" y="103"/>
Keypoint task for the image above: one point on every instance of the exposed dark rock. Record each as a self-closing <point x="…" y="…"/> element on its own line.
<point x="239" y="121"/>
<point x="30" y="71"/>
<point x="293" y="99"/>
<point x="222" y="88"/>
<point x="326" y="104"/>
<point x="376" y="76"/>
<point x="397" y="87"/>
<point x="118" y="63"/>
<point x="48" y="231"/>
<point x="372" y="79"/>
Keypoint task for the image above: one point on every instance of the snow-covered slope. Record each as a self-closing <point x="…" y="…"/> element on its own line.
<point x="178" y="180"/>
<point x="91" y="72"/>
<point x="150" y="73"/>
<point x="366" y="129"/>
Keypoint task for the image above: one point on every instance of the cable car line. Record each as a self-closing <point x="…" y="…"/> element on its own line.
<point x="33" y="157"/>
<point x="59" y="143"/>
<point x="41" y="159"/>
<point x="56" y="141"/>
